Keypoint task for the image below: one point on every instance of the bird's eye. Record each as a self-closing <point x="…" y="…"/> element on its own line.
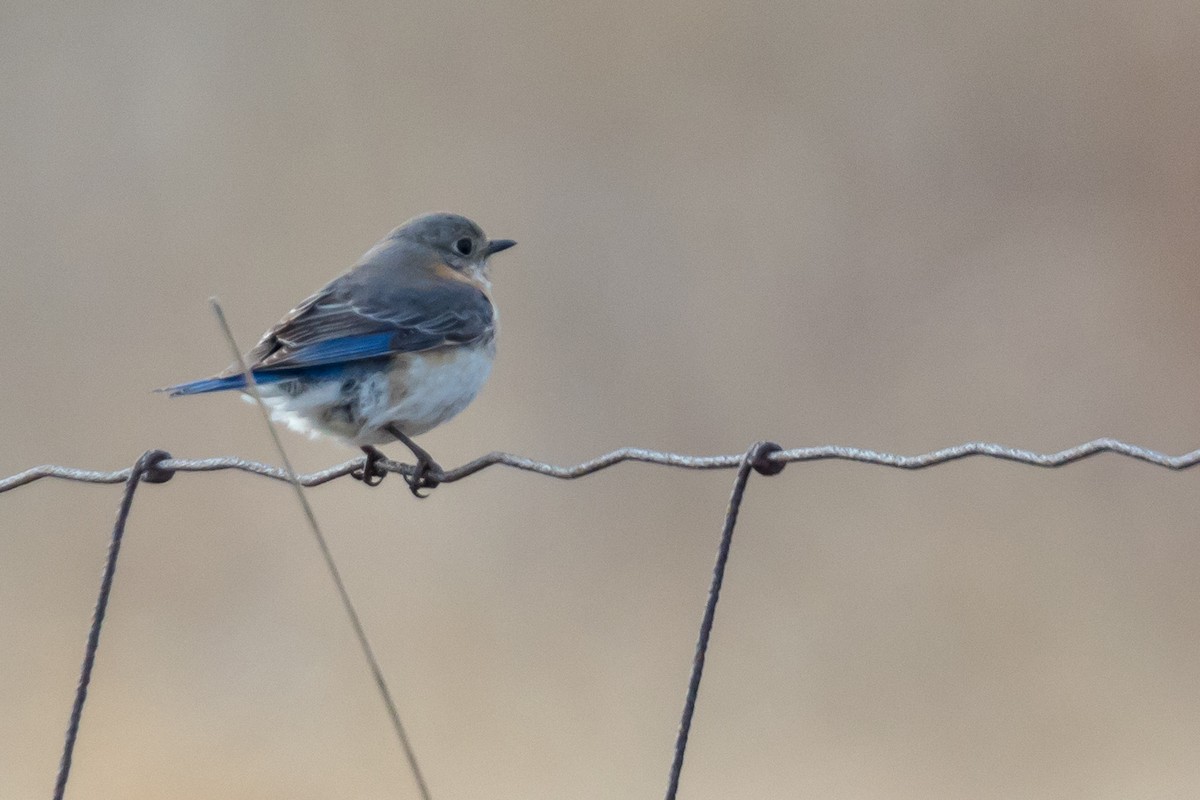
<point x="464" y="246"/>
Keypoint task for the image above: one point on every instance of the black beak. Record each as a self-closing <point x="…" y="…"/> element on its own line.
<point x="496" y="245"/>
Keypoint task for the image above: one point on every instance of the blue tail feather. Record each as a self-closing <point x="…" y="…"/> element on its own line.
<point x="323" y="371"/>
<point x="221" y="384"/>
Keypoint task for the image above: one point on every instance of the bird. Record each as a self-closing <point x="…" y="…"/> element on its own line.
<point x="392" y="348"/>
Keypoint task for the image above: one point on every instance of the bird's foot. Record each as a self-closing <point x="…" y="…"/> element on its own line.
<point x="424" y="476"/>
<point x="371" y="472"/>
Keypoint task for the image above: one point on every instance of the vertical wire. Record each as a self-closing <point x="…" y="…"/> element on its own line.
<point x="754" y="459"/>
<point x="322" y="544"/>
<point x="143" y="465"/>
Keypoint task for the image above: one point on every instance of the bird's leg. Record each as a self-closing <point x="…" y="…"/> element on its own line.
<point x="370" y="473"/>
<point x="421" y="477"/>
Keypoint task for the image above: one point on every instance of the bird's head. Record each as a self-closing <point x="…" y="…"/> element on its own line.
<point x="458" y="241"/>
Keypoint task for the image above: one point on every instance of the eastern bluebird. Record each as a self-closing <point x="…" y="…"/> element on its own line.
<point x="394" y="347"/>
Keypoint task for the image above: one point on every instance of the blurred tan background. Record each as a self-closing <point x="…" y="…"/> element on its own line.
<point x="890" y="225"/>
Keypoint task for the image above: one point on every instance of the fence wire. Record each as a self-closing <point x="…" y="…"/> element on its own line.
<point x="821" y="453"/>
<point x="765" y="458"/>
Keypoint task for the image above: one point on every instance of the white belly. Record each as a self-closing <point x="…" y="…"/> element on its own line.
<point x="433" y="388"/>
<point x="419" y="392"/>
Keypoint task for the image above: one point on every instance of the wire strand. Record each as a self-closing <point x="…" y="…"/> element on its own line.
<point x="360" y="632"/>
<point x="136" y="475"/>
<point x="754" y="459"/>
<point x="822" y="453"/>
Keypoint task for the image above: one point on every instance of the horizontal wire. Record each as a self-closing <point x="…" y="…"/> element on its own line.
<point x="822" y="453"/>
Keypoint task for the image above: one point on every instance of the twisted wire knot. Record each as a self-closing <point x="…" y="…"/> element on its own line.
<point x="148" y="466"/>
<point x="759" y="457"/>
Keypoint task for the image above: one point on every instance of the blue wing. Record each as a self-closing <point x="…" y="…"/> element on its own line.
<point x="345" y="348"/>
<point x="375" y="310"/>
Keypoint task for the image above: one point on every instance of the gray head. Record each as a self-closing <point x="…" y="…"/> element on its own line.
<point x="456" y="239"/>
